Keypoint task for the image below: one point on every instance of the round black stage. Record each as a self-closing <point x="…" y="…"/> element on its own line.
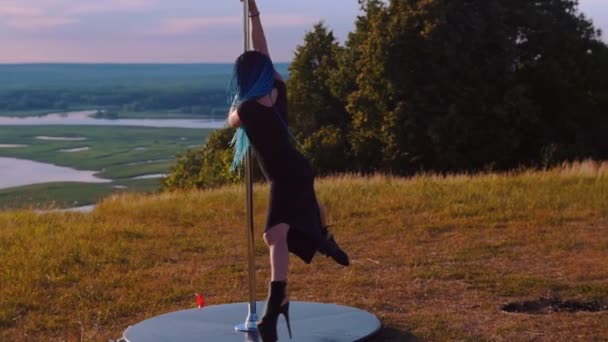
<point x="309" y="322"/>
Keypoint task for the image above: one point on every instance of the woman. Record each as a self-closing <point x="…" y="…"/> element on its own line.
<point x="294" y="222"/>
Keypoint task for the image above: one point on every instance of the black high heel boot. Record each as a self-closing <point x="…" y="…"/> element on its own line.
<point x="267" y="327"/>
<point x="331" y="249"/>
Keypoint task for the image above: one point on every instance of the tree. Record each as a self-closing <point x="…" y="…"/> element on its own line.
<point x="559" y="56"/>
<point x="465" y="85"/>
<point x="206" y="168"/>
<point x="318" y="116"/>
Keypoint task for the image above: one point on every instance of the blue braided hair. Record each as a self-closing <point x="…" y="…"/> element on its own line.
<point x="253" y="77"/>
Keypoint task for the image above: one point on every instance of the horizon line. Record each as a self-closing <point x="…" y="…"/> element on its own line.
<point x="124" y="63"/>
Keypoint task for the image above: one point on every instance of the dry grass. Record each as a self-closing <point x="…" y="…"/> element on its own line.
<point x="585" y="168"/>
<point x="434" y="257"/>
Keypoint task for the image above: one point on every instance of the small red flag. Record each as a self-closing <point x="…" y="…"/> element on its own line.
<point x="200" y="300"/>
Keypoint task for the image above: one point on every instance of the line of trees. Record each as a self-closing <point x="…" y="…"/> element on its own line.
<point x="450" y="86"/>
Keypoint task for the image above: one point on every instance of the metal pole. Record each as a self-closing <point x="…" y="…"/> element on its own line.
<point x="250" y="324"/>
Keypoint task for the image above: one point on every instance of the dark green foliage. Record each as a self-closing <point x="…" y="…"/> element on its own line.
<point x="311" y="104"/>
<point x="466" y="85"/>
<point x="327" y="149"/>
<point x="204" y="168"/>
<point x="209" y="166"/>
<point x="317" y="113"/>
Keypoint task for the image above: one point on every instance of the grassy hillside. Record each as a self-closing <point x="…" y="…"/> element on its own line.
<point x="433" y="257"/>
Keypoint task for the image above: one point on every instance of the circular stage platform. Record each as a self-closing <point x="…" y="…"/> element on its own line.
<point x="309" y="322"/>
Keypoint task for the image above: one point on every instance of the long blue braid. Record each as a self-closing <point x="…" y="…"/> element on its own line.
<point x="239" y="93"/>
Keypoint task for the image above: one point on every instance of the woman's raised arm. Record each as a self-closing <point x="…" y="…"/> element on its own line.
<point x="257" y="33"/>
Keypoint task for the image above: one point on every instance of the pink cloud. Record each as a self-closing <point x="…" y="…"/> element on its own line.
<point x="139" y="51"/>
<point x="68" y="7"/>
<point x="38" y="23"/>
<point x="32" y="15"/>
<point x="288" y="20"/>
<point x="29" y="18"/>
<point x="177" y="26"/>
<point x="109" y="6"/>
<point x="13" y="10"/>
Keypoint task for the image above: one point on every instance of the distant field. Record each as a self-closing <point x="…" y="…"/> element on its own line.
<point x="132" y="90"/>
<point x="118" y="76"/>
<point x="121" y="114"/>
<point x="159" y="115"/>
<point x="435" y="258"/>
<point x="118" y="153"/>
<point x="123" y="76"/>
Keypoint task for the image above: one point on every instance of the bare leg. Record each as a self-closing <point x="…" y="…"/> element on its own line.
<point x="276" y="240"/>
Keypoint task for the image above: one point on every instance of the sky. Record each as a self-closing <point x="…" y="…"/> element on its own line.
<point x="171" y="31"/>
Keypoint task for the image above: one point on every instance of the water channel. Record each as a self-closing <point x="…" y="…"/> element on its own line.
<point x="85" y="118"/>
<point x="19" y="172"/>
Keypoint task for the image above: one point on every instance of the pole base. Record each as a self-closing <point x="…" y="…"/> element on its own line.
<point x="309" y="322"/>
<point x="250" y="325"/>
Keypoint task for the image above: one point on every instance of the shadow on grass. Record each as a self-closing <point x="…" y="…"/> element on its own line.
<point x="551" y="305"/>
<point x="391" y="334"/>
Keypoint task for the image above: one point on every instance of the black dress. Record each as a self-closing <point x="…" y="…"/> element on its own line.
<point x="292" y="194"/>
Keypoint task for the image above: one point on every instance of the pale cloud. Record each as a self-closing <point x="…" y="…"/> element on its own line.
<point x="29" y="18"/>
<point x="288" y="20"/>
<point x="36" y="15"/>
<point x="68" y="7"/>
<point x="37" y="23"/>
<point x="14" y="10"/>
<point x="180" y="26"/>
<point x="593" y="2"/>
<point x="131" y="50"/>
<point x="177" y="26"/>
<point x="91" y="7"/>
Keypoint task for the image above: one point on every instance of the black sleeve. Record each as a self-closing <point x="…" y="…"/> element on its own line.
<point x="245" y="109"/>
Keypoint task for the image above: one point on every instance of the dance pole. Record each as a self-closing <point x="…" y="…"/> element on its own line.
<point x="251" y="321"/>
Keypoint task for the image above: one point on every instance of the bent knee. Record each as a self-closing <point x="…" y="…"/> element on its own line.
<point x="276" y="234"/>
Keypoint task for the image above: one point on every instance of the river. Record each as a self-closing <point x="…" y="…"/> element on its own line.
<point x="20" y="172"/>
<point x="84" y="118"/>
